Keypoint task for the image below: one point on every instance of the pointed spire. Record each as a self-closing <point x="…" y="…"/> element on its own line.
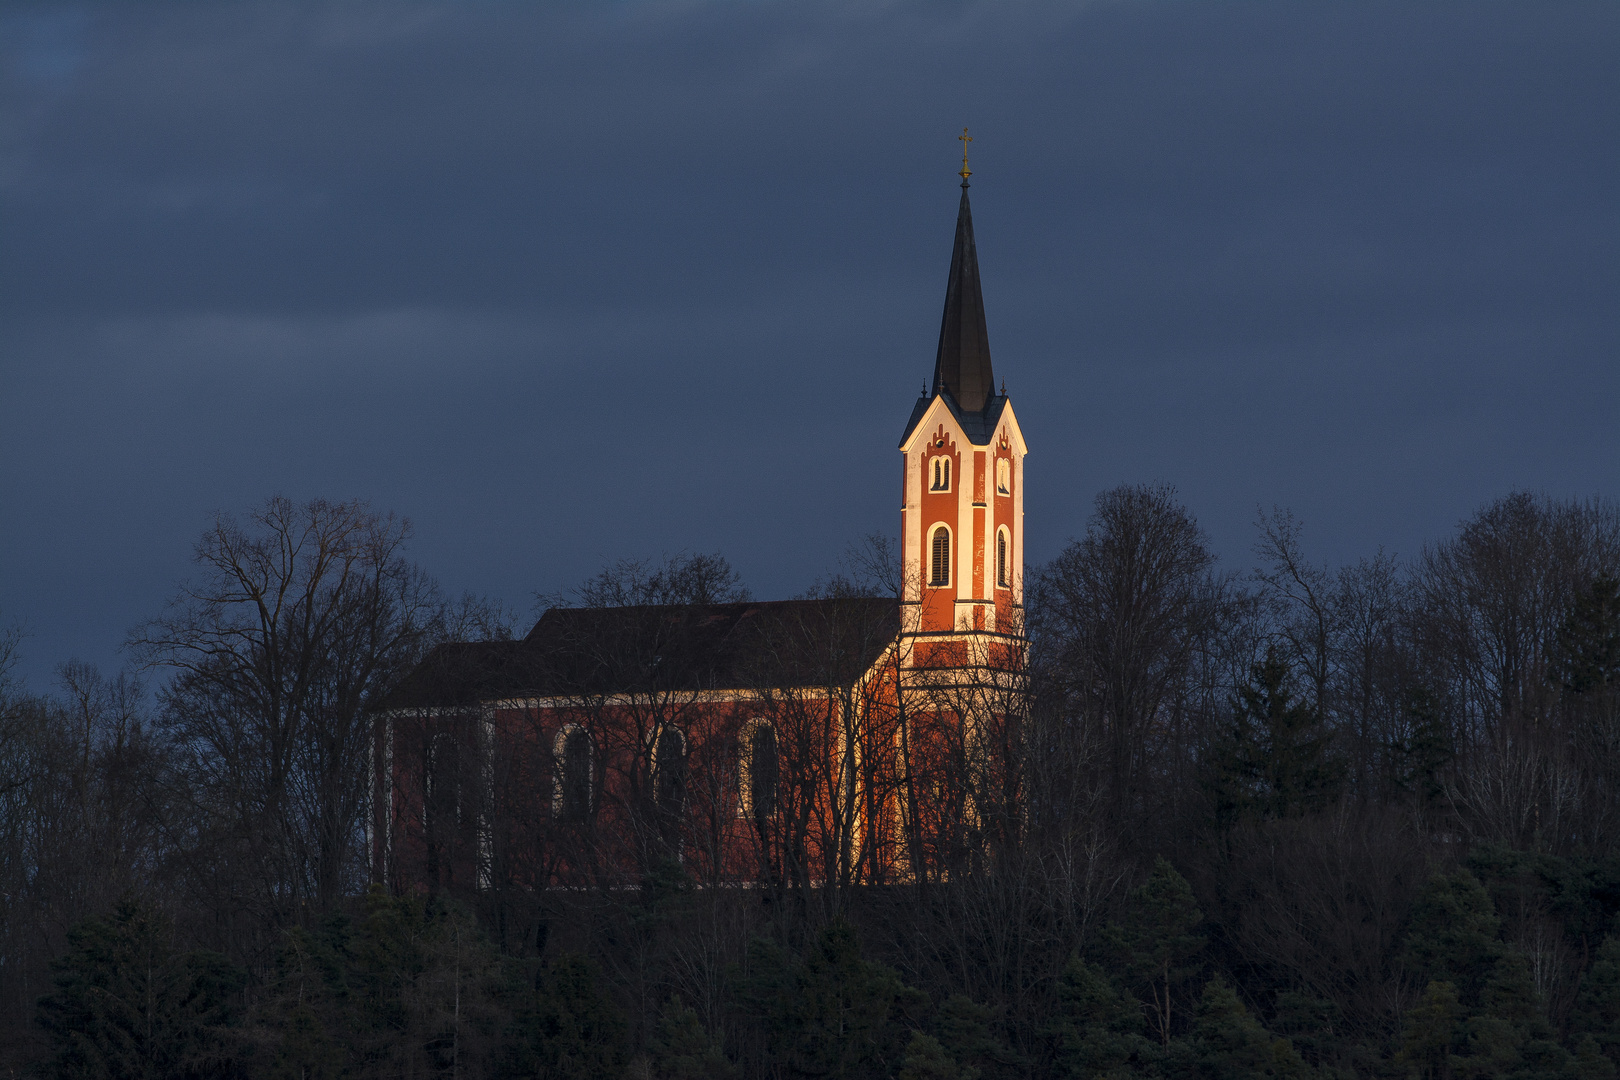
<point x="963" y="365"/>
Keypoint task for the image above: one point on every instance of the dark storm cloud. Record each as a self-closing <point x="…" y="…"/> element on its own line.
<point x="580" y="281"/>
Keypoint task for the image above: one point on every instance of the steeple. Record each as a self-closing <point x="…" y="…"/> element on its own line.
<point x="963" y="365"/>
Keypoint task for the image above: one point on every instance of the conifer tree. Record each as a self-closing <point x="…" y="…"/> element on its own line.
<point x="1452" y="935"/>
<point x="1273" y="760"/>
<point x="682" y="1048"/>
<point x="1597" y="1008"/>
<point x="1158" y="943"/>
<point x="927" y="1059"/>
<point x="1097" y="1029"/>
<point x="1431" y="1033"/>
<point x="305" y="1006"/>
<point x="966" y="1030"/>
<point x="127" y="1003"/>
<point x="1230" y="1044"/>
<point x="568" y="1028"/>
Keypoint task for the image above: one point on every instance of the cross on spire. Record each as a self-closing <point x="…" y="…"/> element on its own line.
<point x="966" y="172"/>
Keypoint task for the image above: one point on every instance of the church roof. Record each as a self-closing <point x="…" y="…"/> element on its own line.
<point x="585" y="652"/>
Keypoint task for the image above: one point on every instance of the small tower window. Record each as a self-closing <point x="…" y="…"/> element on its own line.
<point x="942" y="474"/>
<point x="940" y="558"/>
<point x="1003" y="476"/>
<point x="1001" y="557"/>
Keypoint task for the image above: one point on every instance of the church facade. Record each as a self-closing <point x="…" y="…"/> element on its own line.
<point x="846" y="739"/>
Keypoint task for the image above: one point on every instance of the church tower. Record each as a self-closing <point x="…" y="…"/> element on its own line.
<point x="962" y="530"/>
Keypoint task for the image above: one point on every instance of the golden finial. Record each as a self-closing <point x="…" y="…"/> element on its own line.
<point x="964" y="139"/>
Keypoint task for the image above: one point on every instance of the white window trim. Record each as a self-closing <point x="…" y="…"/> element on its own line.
<point x="950" y="553"/>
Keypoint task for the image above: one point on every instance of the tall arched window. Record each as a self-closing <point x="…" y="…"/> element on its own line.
<point x="760" y="772"/>
<point x="1001" y="557"/>
<point x="939" y="569"/>
<point x="572" y="749"/>
<point x="441" y="805"/>
<point x="669" y="770"/>
<point x="1003" y="476"/>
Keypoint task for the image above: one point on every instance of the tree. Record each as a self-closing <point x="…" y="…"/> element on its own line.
<point x="1230" y="1044"/>
<point x="1452" y="937"/>
<point x="569" y="1029"/>
<point x="1597" y="1008"/>
<point x="128" y="1003"/>
<point x="1097" y="1029"/>
<point x="682" y="1048"/>
<point x="1273" y="761"/>
<point x="1158" y="943"/>
<point x="298" y="620"/>
<point x="1431" y="1032"/>
<point x="927" y="1059"/>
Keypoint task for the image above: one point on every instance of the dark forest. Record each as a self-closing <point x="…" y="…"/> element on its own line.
<point x="1282" y="819"/>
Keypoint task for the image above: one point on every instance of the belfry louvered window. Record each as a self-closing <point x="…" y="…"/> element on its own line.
<point x="940" y="562"/>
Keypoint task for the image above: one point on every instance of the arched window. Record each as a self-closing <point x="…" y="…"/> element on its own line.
<point x="669" y="770"/>
<point x="939" y="569"/>
<point x="441" y="805"/>
<point x="1003" y="476"/>
<point x="942" y="474"/>
<point x="571" y="800"/>
<point x="1002" y="549"/>
<point x="760" y="772"/>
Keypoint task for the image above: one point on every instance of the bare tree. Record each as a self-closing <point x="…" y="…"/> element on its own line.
<point x="297" y="620"/>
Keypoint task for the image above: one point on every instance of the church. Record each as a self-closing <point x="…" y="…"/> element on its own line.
<point x="849" y="739"/>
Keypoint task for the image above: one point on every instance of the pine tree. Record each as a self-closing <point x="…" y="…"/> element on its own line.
<point x="305" y="1004"/>
<point x="1230" y="1044"/>
<point x="849" y="1008"/>
<point x="127" y="1003"/>
<point x="1431" y="1033"/>
<point x="1452" y="936"/>
<point x="1097" y="1029"/>
<point x="1157" y="942"/>
<point x="682" y="1048"/>
<point x="1273" y="761"/>
<point x="568" y="1028"/>
<point x="1420" y="758"/>
<point x="966" y="1030"/>
<point x="926" y="1059"/>
<point x="1589" y="641"/>
<point x="1597" y="1008"/>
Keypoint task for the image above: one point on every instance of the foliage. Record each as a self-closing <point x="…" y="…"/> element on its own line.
<point x="128" y="1003"/>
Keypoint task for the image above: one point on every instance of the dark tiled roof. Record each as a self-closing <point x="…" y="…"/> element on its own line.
<point x="594" y="651"/>
<point x="979" y="427"/>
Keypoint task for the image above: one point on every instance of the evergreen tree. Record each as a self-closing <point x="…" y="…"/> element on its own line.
<point x="682" y="1048"/>
<point x="1420" y="757"/>
<point x="1273" y="761"/>
<point x="128" y="1004"/>
<point x="1313" y="1025"/>
<point x="926" y="1059"/>
<point x="1431" y="1033"/>
<point x="1597" y="1007"/>
<point x="966" y="1030"/>
<point x="1230" y="1044"/>
<point x="1157" y="942"/>
<point x="834" y="1013"/>
<point x="1452" y="935"/>
<point x="568" y="1029"/>
<point x="305" y="1006"/>
<point x="1097" y="1029"/>
<point x="1589" y="641"/>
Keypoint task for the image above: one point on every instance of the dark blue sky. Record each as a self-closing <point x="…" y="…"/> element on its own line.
<point x="572" y="282"/>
